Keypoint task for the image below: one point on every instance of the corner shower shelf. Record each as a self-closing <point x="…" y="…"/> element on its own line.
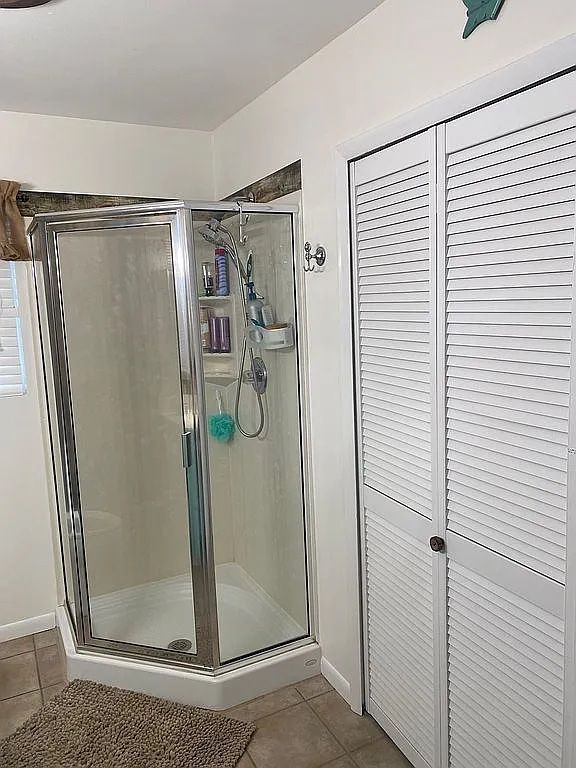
<point x="220" y="379"/>
<point x="220" y="367"/>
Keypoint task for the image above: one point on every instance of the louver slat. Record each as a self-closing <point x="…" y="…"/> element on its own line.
<point x="393" y="267"/>
<point x="510" y="226"/>
<point x="399" y="620"/>
<point x="506" y="660"/>
<point x="521" y="142"/>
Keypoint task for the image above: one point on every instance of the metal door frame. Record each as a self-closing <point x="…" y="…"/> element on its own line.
<point x="201" y="573"/>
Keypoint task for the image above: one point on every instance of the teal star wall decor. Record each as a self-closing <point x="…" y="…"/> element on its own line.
<point x="480" y="11"/>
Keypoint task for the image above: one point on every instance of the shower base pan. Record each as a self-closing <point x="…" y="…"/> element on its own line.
<point x="249" y="619"/>
<point x="156" y="614"/>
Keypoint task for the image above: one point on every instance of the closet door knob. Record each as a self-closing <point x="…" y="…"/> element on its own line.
<point x="437" y="544"/>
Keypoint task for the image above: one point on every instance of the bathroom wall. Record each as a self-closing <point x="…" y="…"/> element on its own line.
<point x="27" y="579"/>
<point x="402" y="55"/>
<point x="68" y="155"/>
<point x="63" y="154"/>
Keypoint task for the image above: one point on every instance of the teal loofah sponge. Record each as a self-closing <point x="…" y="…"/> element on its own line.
<point x="222" y="427"/>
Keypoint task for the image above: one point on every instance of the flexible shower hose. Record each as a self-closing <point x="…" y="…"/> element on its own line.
<point x="260" y="428"/>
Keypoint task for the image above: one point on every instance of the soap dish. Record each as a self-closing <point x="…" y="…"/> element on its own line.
<point x="278" y="336"/>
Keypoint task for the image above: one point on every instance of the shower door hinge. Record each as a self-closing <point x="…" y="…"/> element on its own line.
<point x="187" y="449"/>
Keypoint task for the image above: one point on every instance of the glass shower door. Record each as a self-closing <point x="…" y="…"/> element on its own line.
<point x="121" y="331"/>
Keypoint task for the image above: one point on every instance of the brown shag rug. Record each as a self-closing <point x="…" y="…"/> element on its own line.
<point x="89" y="725"/>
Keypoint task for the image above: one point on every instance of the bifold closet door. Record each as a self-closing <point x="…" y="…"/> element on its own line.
<point x="508" y="217"/>
<point x="394" y="233"/>
<point x="464" y="245"/>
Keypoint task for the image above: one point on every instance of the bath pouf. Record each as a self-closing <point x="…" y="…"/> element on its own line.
<point x="222" y="427"/>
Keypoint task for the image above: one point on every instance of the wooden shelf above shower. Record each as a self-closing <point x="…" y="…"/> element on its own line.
<point x="214" y="299"/>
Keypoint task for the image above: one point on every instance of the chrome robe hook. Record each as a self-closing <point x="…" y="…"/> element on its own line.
<point x="319" y="257"/>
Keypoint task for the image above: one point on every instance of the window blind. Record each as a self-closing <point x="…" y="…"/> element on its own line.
<point x="12" y="379"/>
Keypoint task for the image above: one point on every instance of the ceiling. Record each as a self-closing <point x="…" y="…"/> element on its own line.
<point x="179" y="63"/>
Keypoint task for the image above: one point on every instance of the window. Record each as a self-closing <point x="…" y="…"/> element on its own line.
<point x="12" y="374"/>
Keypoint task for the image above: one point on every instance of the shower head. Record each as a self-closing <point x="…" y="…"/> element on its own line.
<point x="213" y="234"/>
<point x="216" y="234"/>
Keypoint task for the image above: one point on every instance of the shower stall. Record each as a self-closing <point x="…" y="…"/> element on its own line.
<point x="184" y="548"/>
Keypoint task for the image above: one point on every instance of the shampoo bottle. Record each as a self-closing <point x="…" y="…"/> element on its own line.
<point x="254" y="306"/>
<point x="222" y="278"/>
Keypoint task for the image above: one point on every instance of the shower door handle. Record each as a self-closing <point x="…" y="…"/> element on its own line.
<point x="187" y="449"/>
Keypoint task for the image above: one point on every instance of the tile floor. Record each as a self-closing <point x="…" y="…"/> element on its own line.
<point x="307" y="725"/>
<point x="31" y="672"/>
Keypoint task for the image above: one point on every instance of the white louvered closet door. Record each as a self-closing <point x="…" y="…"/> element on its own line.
<point x="394" y="232"/>
<point x="509" y="225"/>
<point x="464" y="259"/>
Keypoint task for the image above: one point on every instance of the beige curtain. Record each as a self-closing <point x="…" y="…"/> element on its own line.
<point x="13" y="243"/>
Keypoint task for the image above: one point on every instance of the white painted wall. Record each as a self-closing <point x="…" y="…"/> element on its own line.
<point x="68" y="155"/>
<point x="404" y="54"/>
<point x="27" y="579"/>
<point x="63" y="154"/>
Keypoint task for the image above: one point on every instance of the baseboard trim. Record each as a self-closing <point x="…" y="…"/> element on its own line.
<point x="27" y="627"/>
<point x="336" y="680"/>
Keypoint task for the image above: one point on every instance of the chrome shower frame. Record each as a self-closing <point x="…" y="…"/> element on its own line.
<point x="178" y="215"/>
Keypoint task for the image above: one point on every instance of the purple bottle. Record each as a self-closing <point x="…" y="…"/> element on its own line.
<point x="214" y="334"/>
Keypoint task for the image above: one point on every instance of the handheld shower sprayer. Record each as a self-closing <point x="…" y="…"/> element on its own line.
<point x="216" y="234"/>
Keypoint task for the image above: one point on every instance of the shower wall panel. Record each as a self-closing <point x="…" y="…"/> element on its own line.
<point x="268" y="528"/>
<point x="122" y="369"/>
<point x="220" y="480"/>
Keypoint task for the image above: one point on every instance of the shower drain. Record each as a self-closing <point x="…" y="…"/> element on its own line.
<point x="181" y="644"/>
